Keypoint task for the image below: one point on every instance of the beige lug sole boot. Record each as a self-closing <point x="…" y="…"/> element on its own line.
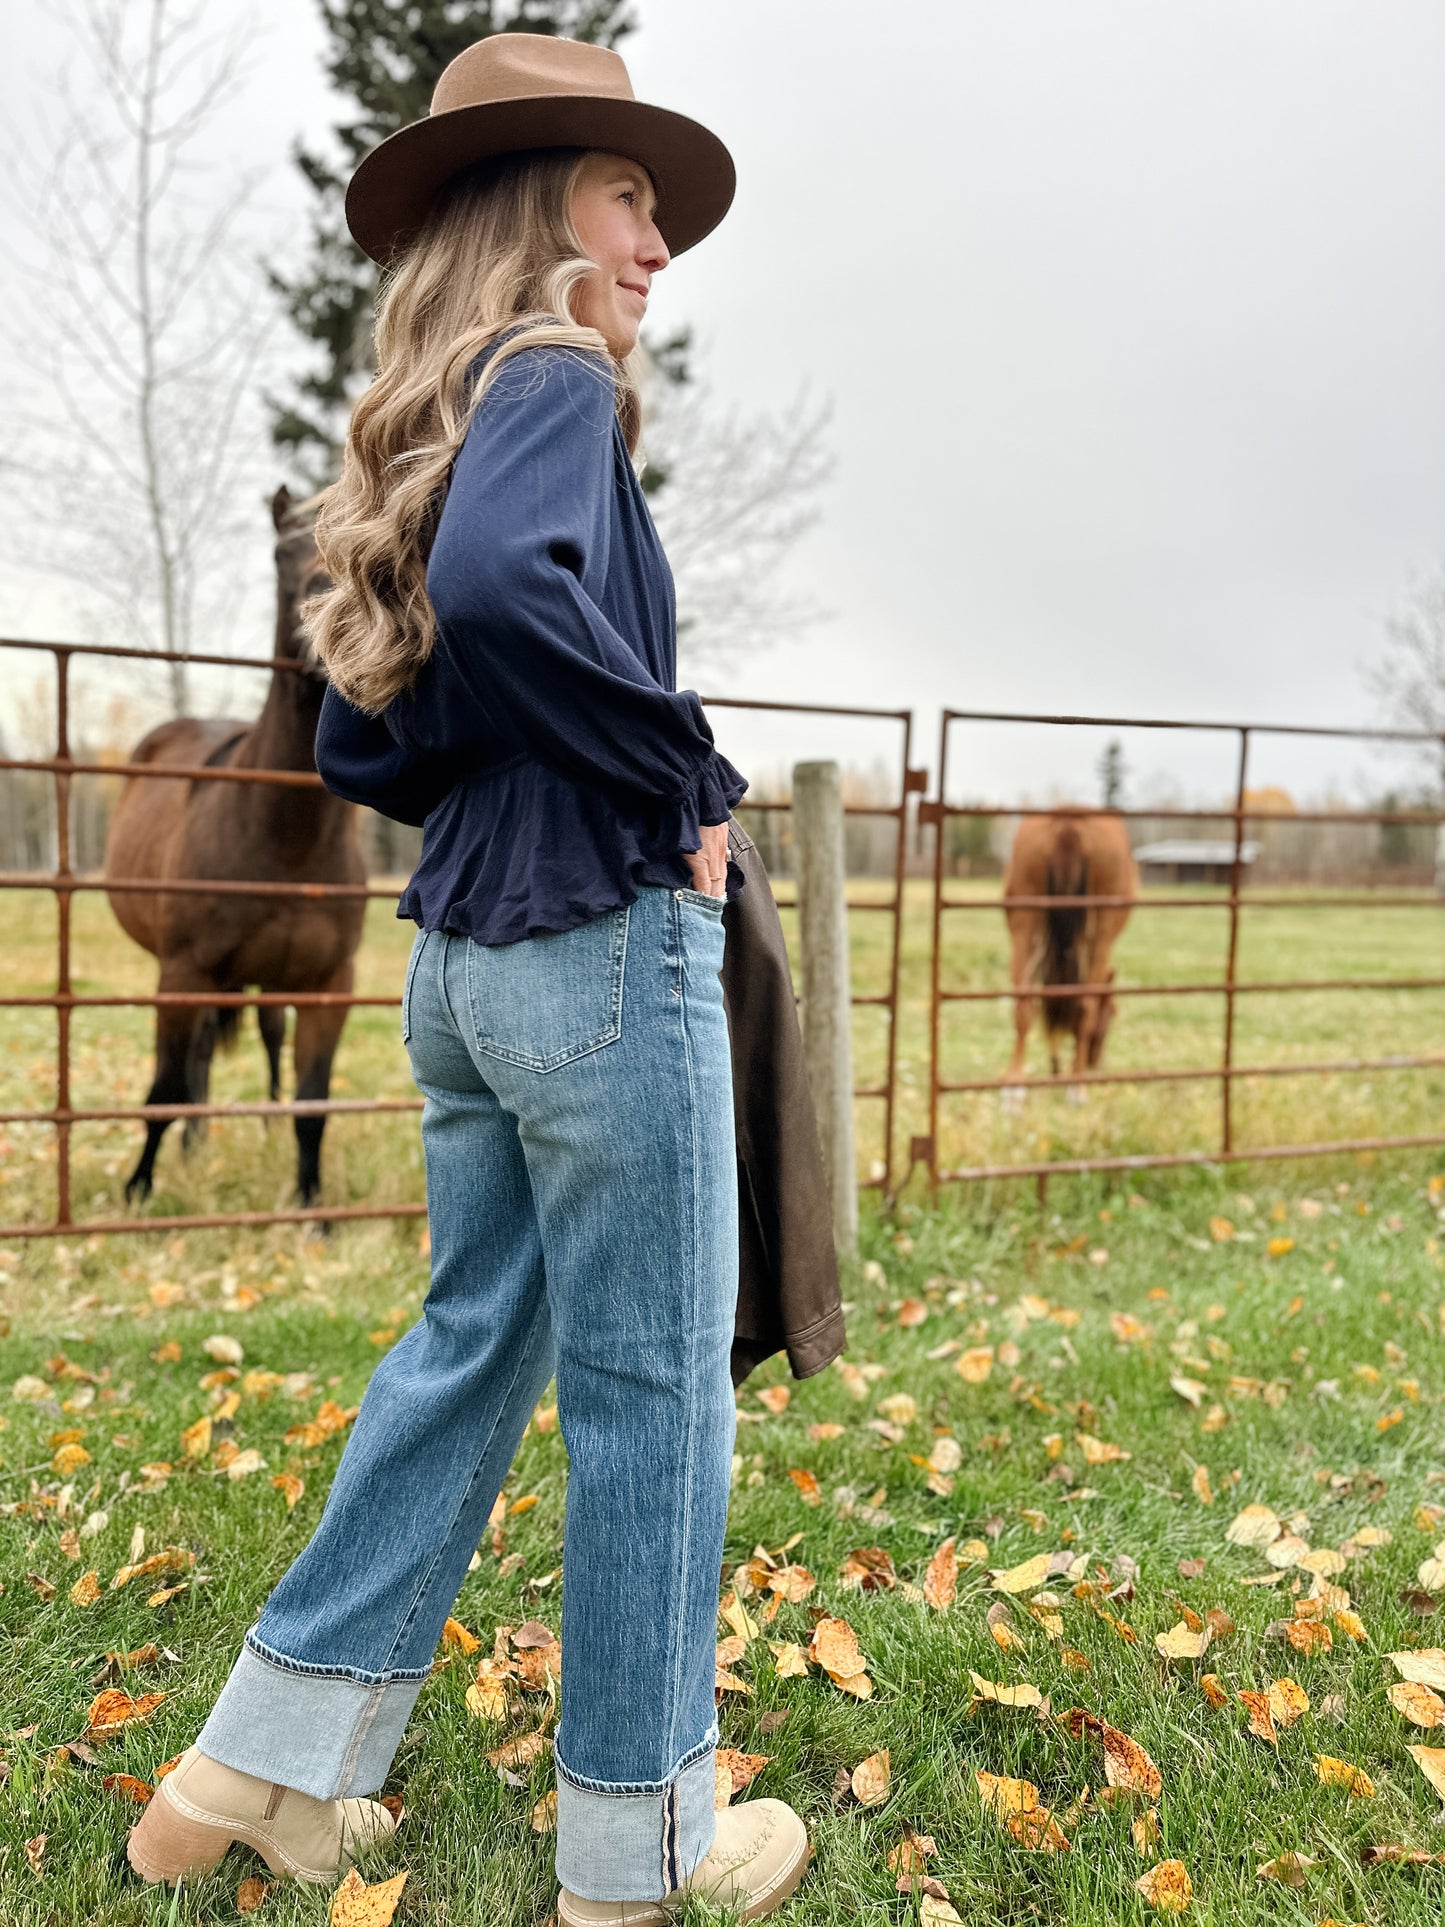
<point x="757" y="1858"/>
<point x="202" y="1807"/>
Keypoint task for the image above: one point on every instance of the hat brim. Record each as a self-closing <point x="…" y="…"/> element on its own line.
<point x="393" y="188"/>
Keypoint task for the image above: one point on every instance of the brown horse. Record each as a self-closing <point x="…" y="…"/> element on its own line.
<point x="1067" y="856"/>
<point x="255" y="833"/>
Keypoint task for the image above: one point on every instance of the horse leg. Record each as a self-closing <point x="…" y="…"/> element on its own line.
<point x="272" y="1019"/>
<point x="1083" y="1046"/>
<point x="1014" y="1094"/>
<point x="198" y="1076"/>
<point x="176" y="1026"/>
<point x="318" y="1031"/>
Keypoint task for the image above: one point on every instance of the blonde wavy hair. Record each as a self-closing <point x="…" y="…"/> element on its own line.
<point x="498" y="251"/>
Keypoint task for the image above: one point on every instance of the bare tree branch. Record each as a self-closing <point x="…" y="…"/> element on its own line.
<point x="1408" y="680"/>
<point x="740" y="490"/>
<point x="141" y="433"/>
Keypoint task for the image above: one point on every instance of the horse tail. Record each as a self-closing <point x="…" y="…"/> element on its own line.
<point x="1067" y="875"/>
<point x="228" y="1023"/>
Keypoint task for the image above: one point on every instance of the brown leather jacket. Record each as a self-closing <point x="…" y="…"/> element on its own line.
<point x="788" y="1296"/>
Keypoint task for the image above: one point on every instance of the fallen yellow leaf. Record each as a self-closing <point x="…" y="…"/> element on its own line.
<point x="872" y="1779"/>
<point x="739" y="1768"/>
<point x="1287" y="1701"/>
<point x="114" y="1708"/>
<point x="1333" y="1772"/>
<point x="1257" y="1526"/>
<point x="291" y="1486"/>
<point x="1290" y="1869"/>
<point x="1145" y="1832"/>
<point x="354" y="1904"/>
<point x="1003" y="1796"/>
<point x="86" y="1589"/>
<point x="1023" y="1578"/>
<point x="789" y="1661"/>
<point x="1261" y="1718"/>
<point x="520" y="1751"/>
<point x="1308" y="1635"/>
<point x="1126" y="1764"/>
<point x="1418" y="1704"/>
<point x="127" y="1787"/>
<point x="1166" y="1887"/>
<point x="1180" y="1642"/>
<point x="834" y="1647"/>
<point x="940" y="1582"/>
<point x="1431" y="1762"/>
<point x="1037" y="1830"/>
<point x="999" y="1694"/>
<point x="1425" y="1666"/>
<point x="544" y="1814"/>
<point x="975" y="1364"/>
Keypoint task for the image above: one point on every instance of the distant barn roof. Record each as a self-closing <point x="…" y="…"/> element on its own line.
<point x="1181" y="849"/>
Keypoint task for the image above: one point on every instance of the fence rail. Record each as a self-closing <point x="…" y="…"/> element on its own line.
<point x="938" y="812"/>
<point x="63" y="883"/>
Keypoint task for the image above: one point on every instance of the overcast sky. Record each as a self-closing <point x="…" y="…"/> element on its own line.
<point x="1131" y="312"/>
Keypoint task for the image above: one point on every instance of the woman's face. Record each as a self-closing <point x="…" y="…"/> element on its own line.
<point x="612" y="206"/>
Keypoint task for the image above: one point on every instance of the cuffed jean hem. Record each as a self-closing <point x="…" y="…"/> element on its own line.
<point x="631" y="1843"/>
<point x="328" y="1734"/>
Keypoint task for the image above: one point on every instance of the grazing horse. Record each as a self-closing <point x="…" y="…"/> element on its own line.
<point x="1067" y="856"/>
<point x="245" y="832"/>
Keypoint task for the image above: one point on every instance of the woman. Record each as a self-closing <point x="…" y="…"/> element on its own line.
<point x="500" y="638"/>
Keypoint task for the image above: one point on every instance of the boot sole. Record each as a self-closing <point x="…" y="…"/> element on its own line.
<point x="166" y="1846"/>
<point x="762" y="1904"/>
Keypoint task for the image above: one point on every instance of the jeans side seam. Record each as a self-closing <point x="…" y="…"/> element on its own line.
<point x="364" y="1723"/>
<point x="444" y="950"/>
<point x="689" y="1451"/>
<point x="524" y="1354"/>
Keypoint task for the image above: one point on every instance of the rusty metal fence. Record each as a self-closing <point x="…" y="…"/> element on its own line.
<point x="64" y="883"/>
<point x="1227" y="1072"/>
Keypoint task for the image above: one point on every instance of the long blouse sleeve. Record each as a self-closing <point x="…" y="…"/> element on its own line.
<point x="515" y="574"/>
<point x="358" y="758"/>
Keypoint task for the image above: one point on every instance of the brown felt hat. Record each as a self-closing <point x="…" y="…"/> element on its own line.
<point x="520" y="90"/>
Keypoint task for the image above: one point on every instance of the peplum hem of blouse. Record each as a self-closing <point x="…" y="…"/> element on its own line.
<point x="534" y="837"/>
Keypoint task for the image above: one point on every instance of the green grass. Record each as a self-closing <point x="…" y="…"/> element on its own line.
<point x="1362" y="1287"/>
<point x="247" y="1164"/>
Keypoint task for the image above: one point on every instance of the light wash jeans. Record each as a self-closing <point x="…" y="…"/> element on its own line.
<point x="582" y="1194"/>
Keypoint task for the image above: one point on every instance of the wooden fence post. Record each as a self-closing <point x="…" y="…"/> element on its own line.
<point x="827" y="985"/>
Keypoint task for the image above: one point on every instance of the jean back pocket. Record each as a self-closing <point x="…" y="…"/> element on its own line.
<point x="545" y="1000"/>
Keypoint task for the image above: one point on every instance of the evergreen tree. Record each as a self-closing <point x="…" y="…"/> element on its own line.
<point x="384" y="58"/>
<point x="1111" y="775"/>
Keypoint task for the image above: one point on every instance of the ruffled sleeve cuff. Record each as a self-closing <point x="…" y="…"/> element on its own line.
<point x="719" y="789"/>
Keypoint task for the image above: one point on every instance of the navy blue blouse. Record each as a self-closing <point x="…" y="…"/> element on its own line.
<point x="543" y="744"/>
